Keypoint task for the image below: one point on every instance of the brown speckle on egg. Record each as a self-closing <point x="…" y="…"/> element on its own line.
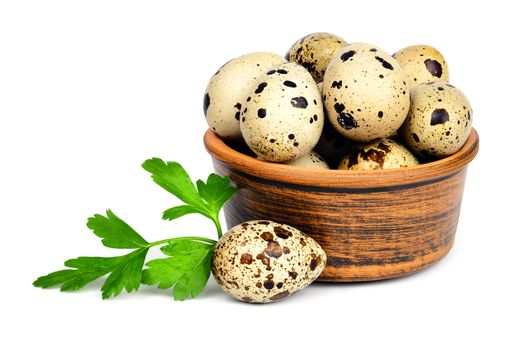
<point x="434" y="67"/>
<point x="273" y="249"/>
<point x="439" y="116"/>
<point x="299" y="102"/>
<point x="267" y="236"/>
<point x="347" y="121"/>
<point x="206" y="103"/>
<point x="261" y="112"/>
<point x="281" y="232"/>
<point x="246" y="258"/>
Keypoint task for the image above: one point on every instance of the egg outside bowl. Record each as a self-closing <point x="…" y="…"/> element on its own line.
<point x="373" y="224"/>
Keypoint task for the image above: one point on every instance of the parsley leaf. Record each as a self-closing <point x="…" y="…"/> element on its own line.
<point x="177" y="212"/>
<point x="216" y="191"/>
<point x="114" y="232"/>
<point x="93" y="268"/>
<point x="207" y="200"/>
<point x="124" y="272"/>
<point x="187" y="270"/>
<point x="172" y="177"/>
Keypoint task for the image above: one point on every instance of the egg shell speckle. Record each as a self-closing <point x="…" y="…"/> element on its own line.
<point x="263" y="261"/>
<point x="227" y="90"/>
<point x="365" y="92"/>
<point x="283" y="117"/>
<point x="379" y="154"/>
<point x="312" y="160"/>
<point x="422" y="64"/>
<point x="314" y="52"/>
<point x="439" y="121"/>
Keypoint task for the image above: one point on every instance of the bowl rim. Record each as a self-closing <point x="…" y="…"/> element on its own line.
<point x="334" y="178"/>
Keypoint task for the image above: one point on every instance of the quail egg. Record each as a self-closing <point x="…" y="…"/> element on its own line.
<point x="227" y="90"/>
<point x="439" y="121"/>
<point x="365" y="92"/>
<point x="311" y="160"/>
<point x="264" y="261"/>
<point x="314" y="51"/>
<point x="283" y="114"/>
<point x="379" y="154"/>
<point x="422" y="64"/>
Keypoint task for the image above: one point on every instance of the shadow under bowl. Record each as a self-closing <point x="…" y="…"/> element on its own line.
<point x="373" y="224"/>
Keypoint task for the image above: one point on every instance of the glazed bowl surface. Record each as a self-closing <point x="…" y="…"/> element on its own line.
<point x="373" y="224"/>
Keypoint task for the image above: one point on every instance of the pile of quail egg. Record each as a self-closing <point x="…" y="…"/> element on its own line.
<point x="330" y="104"/>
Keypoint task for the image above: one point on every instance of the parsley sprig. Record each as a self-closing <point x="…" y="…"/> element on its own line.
<point x="188" y="265"/>
<point x="207" y="199"/>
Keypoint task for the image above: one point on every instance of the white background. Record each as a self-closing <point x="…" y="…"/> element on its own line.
<point x="88" y="90"/>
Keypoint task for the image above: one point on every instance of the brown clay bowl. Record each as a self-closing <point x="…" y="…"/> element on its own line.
<point x="372" y="224"/>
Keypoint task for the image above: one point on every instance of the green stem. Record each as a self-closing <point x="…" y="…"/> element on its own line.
<point x="167" y="240"/>
<point x="217" y="226"/>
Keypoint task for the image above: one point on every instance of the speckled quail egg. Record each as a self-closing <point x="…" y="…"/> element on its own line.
<point x="378" y="154"/>
<point x="439" y="121"/>
<point x="365" y="92"/>
<point x="283" y="115"/>
<point x="264" y="261"/>
<point x="314" y="51"/>
<point x="312" y="160"/>
<point x="422" y="64"/>
<point x="227" y="90"/>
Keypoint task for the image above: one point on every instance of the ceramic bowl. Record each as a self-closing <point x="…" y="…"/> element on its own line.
<point x="373" y="224"/>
